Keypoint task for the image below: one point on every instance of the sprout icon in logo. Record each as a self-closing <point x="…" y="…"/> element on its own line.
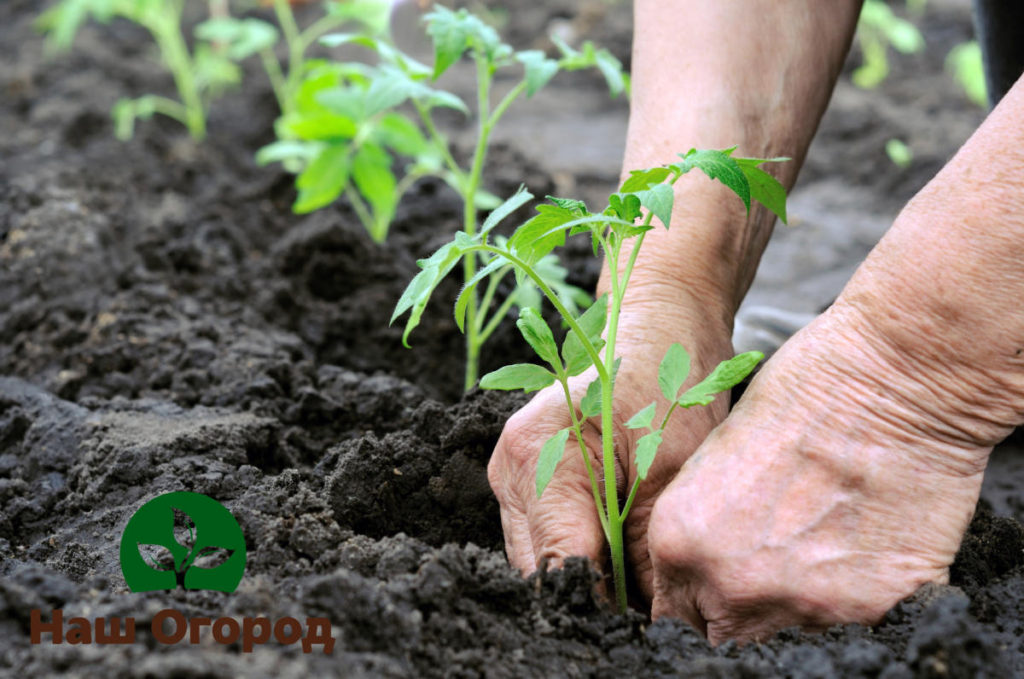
<point x="182" y="540"/>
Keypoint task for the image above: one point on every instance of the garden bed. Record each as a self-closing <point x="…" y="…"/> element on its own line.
<point x="167" y="324"/>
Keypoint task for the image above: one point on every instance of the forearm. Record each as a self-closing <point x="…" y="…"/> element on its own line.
<point x="712" y="74"/>
<point x="948" y="278"/>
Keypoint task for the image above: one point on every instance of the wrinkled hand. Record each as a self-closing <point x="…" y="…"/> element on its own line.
<point x="564" y="521"/>
<point x="832" y="491"/>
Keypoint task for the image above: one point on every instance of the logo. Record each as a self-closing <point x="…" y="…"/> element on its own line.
<point x="182" y="540"/>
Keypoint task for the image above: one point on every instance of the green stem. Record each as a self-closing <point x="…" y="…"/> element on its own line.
<point x="546" y="290"/>
<point x="167" y="34"/>
<point x="277" y="80"/>
<point x="169" y="108"/>
<point x="496" y="319"/>
<point x="364" y="214"/>
<point x="611" y="492"/>
<point x="439" y="140"/>
<point x="293" y="39"/>
<point x="483" y="71"/>
<point x="578" y="431"/>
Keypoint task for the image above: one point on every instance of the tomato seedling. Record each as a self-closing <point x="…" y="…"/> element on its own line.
<point x="645" y="196"/>
<point x="348" y="124"/>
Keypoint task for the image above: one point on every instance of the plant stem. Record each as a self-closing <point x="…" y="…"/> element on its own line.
<point x="166" y="31"/>
<point x="546" y="290"/>
<point x="277" y="80"/>
<point x="483" y="87"/>
<point x="578" y="431"/>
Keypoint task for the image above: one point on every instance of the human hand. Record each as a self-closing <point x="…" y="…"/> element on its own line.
<point x="564" y="521"/>
<point x="833" y="490"/>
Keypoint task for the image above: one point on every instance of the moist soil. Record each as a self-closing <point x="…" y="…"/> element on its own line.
<point x="167" y="324"/>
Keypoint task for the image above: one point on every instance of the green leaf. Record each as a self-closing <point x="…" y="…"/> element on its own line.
<point x="611" y="69"/>
<point x="374" y="14"/>
<point x="539" y="236"/>
<point x="591" y="322"/>
<point x="626" y="206"/>
<point x="724" y="377"/>
<point x="643" y="418"/>
<point x="639" y="180"/>
<point x="673" y="371"/>
<point x="285" y="150"/>
<point x="389" y="88"/>
<point x="517" y="200"/>
<point x="537" y="333"/>
<point x="717" y="165"/>
<point x="418" y="292"/>
<point x="590" y="404"/>
<point x="539" y="69"/>
<point x="646" y="450"/>
<point x="550" y="455"/>
<point x="323" y="180"/>
<point x="244" y="37"/>
<point x="525" y="376"/>
<point x="764" y="188"/>
<point x="450" y="35"/>
<point x="371" y="173"/>
<point x="658" y="199"/>
<point x="577" y="207"/>
<point x="401" y="134"/>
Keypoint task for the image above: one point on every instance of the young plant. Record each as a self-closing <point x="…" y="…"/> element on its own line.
<point x="877" y="29"/>
<point x="199" y="75"/>
<point x="347" y="127"/>
<point x="647" y="195"/>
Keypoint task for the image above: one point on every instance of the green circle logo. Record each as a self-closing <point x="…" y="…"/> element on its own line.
<point x="182" y="540"/>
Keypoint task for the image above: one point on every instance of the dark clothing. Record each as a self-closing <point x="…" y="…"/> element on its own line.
<point x="1000" y="28"/>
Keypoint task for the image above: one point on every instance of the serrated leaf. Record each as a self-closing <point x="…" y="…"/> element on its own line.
<point x="539" y="69"/>
<point x="418" y="292"/>
<point x="764" y="188"/>
<point x="590" y="404"/>
<point x="520" y="198"/>
<point x="450" y="35"/>
<point x="526" y="376"/>
<point x="658" y="199"/>
<point x="538" y="335"/>
<point x="643" y="418"/>
<point x="540" y="235"/>
<point x="646" y="451"/>
<point x="640" y="180"/>
<point x="577" y="207"/>
<point x="550" y="455"/>
<point x="591" y="322"/>
<point x="673" y="371"/>
<point x="724" y="377"/>
<point x="717" y="165"/>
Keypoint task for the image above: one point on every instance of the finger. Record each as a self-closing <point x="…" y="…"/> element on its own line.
<point x="518" y="544"/>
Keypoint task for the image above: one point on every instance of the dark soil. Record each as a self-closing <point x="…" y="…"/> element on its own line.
<point x="167" y="324"/>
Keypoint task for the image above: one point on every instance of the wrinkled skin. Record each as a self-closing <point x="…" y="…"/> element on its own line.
<point x="845" y="477"/>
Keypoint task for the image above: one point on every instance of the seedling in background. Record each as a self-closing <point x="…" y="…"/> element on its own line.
<point x="199" y="75"/>
<point x="211" y="67"/>
<point x="347" y="126"/>
<point x="877" y="29"/>
<point x="596" y="329"/>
